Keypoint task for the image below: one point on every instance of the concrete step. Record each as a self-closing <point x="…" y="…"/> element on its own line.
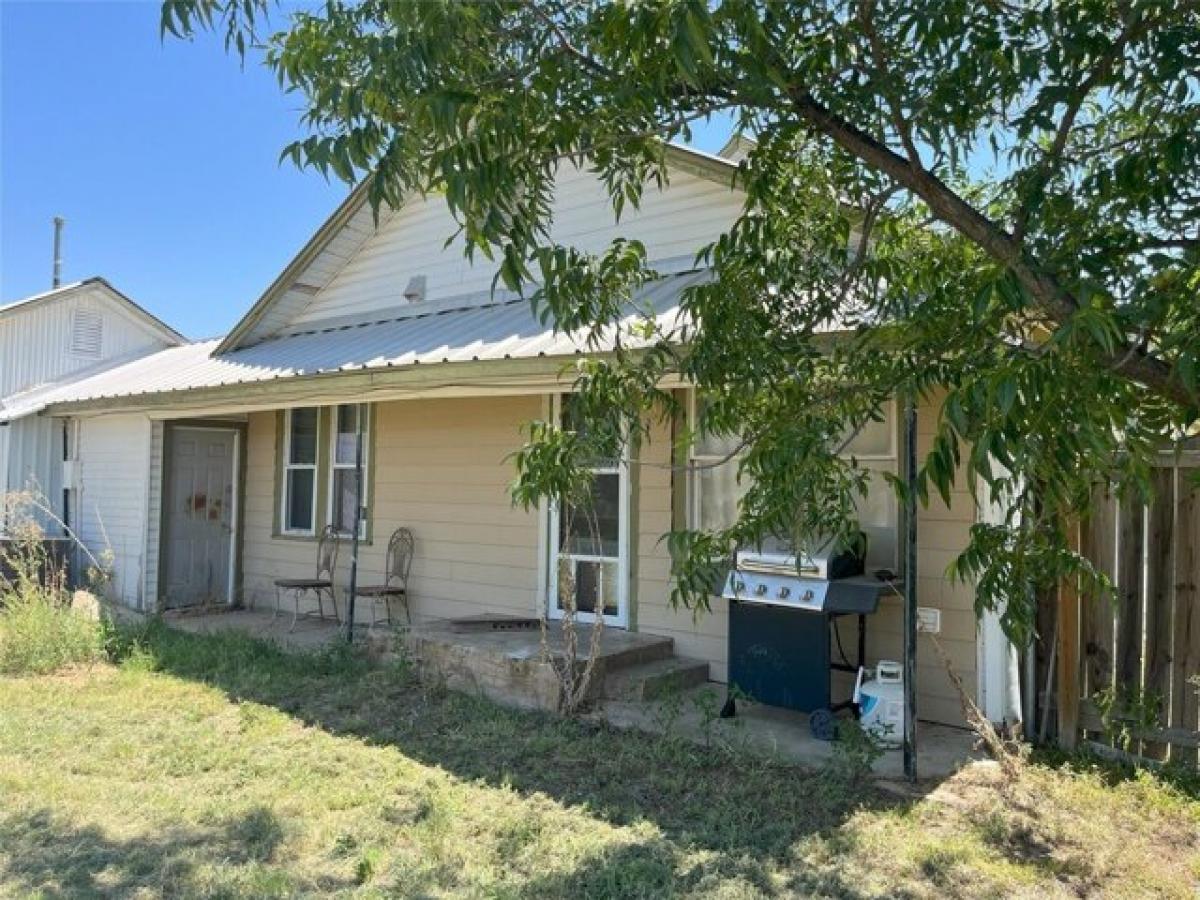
<point x="655" y="679"/>
<point x="623" y="649"/>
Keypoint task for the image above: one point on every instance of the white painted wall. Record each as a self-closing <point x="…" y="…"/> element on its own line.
<point x="35" y="340"/>
<point x="115" y="462"/>
<point x="35" y="350"/>
<point x="675" y="222"/>
<point x="154" y="489"/>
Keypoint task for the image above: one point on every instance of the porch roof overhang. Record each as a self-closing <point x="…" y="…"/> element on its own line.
<point x="470" y="345"/>
<point x="475" y="345"/>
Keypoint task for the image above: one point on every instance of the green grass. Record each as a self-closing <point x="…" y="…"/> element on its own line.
<point x="224" y="767"/>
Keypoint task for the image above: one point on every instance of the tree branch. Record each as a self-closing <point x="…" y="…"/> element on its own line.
<point x="990" y="237"/>
<point x="1100" y="71"/>
<point x="903" y="130"/>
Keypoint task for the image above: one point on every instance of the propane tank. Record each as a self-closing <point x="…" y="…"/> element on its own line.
<point x="880" y="700"/>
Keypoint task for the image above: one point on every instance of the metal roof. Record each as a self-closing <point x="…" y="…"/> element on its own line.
<point x="461" y="330"/>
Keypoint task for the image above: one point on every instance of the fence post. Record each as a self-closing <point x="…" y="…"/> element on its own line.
<point x="1067" y="674"/>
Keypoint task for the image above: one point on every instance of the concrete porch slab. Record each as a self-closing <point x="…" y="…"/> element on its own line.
<point x="309" y="633"/>
<point x="616" y="644"/>
<point x="782" y="733"/>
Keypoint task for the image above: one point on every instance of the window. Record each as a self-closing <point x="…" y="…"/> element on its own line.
<point x="87" y="332"/>
<point x="298" y="515"/>
<point x="875" y="449"/>
<point x="343" y="490"/>
<point x="714" y="491"/>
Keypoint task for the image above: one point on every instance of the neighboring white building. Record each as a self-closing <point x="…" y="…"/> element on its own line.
<point x="48" y="342"/>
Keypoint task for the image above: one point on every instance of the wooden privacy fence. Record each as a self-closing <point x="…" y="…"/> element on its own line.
<point x="1138" y="652"/>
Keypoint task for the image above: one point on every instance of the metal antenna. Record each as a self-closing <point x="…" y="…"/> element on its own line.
<point x="59" y="221"/>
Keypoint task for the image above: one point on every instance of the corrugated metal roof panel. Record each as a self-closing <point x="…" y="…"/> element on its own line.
<point x="493" y="331"/>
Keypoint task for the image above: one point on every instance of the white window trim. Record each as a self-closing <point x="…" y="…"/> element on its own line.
<point x="554" y="552"/>
<point x="289" y="466"/>
<point x="364" y="409"/>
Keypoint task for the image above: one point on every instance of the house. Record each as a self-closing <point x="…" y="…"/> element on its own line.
<point x="49" y="342"/>
<point x="215" y="465"/>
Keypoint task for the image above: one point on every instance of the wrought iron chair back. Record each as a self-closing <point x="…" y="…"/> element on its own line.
<point x="400" y="551"/>
<point x="401" y="548"/>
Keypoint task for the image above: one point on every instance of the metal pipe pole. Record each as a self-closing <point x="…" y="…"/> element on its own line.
<point x="358" y="516"/>
<point x="58" y="229"/>
<point x="910" y="588"/>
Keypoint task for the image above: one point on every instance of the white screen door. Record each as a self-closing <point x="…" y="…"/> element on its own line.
<point x="589" y="547"/>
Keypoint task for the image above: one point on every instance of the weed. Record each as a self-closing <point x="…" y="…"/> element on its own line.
<point x="708" y="705"/>
<point x="1126" y="713"/>
<point x="367" y="865"/>
<point x="666" y="713"/>
<point x="855" y="753"/>
<point x="39" y="636"/>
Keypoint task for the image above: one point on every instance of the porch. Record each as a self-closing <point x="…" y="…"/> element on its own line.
<point x="639" y="683"/>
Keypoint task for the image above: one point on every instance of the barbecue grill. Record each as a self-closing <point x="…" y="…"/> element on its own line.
<point x="782" y="613"/>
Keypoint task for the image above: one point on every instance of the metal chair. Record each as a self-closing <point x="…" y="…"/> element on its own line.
<point x="327" y="552"/>
<point x="395" y="586"/>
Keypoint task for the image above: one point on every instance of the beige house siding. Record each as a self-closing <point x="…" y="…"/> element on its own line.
<point x="442" y="468"/>
<point x="942" y="533"/>
<point x="703" y="636"/>
<point x="674" y="222"/>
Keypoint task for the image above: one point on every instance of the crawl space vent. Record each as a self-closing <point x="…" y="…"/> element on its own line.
<point x="87" y="332"/>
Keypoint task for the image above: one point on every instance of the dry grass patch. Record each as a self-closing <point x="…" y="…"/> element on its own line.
<point x="220" y="766"/>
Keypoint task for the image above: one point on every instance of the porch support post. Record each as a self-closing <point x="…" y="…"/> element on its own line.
<point x="360" y="412"/>
<point x="910" y="588"/>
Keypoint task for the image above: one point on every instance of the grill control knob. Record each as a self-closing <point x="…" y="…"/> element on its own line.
<point x="739" y="587"/>
<point x="760" y="590"/>
<point x="808" y="595"/>
<point x="784" y="593"/>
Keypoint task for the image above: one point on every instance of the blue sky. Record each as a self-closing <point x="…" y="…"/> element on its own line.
<point x="161" y="155"/>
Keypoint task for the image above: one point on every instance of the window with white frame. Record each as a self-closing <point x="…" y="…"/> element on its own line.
<point x="299" y="501"/>
<point x="715" y="491"/>
<point x="343" y="488"/>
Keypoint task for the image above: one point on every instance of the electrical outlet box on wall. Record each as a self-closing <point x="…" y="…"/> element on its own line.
<point x="929" y="620"/>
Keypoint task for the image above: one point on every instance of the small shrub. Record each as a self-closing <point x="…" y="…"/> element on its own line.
<point x="40" y="631"/>
<point x="39" y="635"/>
